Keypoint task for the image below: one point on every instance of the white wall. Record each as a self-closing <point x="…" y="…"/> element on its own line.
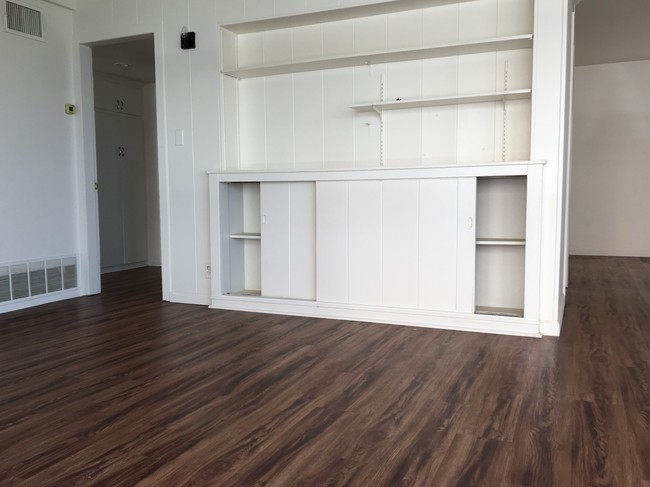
<point x="38" y="209"/>
<point x="610" y="200"/>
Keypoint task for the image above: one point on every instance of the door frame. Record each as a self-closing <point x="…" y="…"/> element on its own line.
<point x="88" y="207"/>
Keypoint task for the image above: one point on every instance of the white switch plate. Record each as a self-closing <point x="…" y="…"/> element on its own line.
<point x="179" y="136"/>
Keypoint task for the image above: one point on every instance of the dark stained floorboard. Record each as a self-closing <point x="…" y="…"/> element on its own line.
<point x="122" y="389"/>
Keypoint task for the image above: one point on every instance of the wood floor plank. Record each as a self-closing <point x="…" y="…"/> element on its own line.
<point x="122" y="389"/>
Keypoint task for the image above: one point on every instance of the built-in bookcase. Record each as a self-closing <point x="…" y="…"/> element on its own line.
<point x="377" y="166"/>
<point x="433" y="83"/>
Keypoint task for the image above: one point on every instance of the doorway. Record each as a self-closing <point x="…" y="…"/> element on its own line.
<point x="127" y="180"/>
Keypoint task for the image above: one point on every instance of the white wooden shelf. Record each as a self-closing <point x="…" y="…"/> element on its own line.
<point x="333" y="15"/>
<point x="501" y="241"/>
<point x="397" y="55"/>
<point x="442" y="101"/>
<point x="246" y="236"/>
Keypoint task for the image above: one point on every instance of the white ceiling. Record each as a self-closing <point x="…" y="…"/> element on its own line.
<point x="138" y="54"/>
<point x="611" y="31"/>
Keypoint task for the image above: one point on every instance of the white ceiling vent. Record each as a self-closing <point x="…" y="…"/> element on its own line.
<point x="23" y="20"/>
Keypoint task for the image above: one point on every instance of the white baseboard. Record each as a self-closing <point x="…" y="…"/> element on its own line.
<point x="39" y="300"/>
<point x="500" y="325"/>
<point x="189" y="298"/>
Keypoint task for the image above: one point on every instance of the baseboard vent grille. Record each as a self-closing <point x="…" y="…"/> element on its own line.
<point x="23" y="20"/>
<point x="24" y="280"/>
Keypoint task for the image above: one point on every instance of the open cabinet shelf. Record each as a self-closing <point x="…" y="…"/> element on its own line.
<point x="442" y="101"/>
<point x="381" y="57"/>
<point x="500" y="245"/>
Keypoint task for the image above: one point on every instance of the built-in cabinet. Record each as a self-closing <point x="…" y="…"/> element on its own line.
<point x="121" y="173"/>
<point x="376" y="166"/>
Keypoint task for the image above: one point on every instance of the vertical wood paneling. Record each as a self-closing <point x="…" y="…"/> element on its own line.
<point x="440" y="135"/>
<point x="251" y="49"/>
<point x="515" y="17"/>
<point x="308" y="120"/>
<point x="476" y="128"/>
<point x="252" y="124"/>
<point x="338" y="87"/>
<point x="276" y="244"/>
<point x="400" y="243"/>
<point x="404" y="29"/>
<point x="279" y="122"/>
<point x="440" y="24"/>
<point x="365" y="242"/>
<point x="277" y="46"/>
<point x="438" y="239"/>
<point x="231" y="123"/>
<point x="370" y="34"/>
<point x="307" y="42"/>
<point x="302" y="241"/>
<point x="477" y="20"/>
<point x="338" y="38"/>
<point x="149" y="11"/>
<point x="332" y="241"/>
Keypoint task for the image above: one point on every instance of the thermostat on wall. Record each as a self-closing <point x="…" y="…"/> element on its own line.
<point x="70" y="109"/>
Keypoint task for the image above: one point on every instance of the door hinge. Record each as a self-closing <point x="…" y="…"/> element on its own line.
<point x="96" y="185"/>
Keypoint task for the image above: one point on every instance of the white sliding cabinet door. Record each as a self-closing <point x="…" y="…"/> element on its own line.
<point x="400" y="243"/>
<point x="438" y="244"/>
<point x="288" y="240"/>
<point x="332" y="241"/>
<point x="302" y="258"/>
<point x="466" y="259"/>
<point x="365" y="243"/>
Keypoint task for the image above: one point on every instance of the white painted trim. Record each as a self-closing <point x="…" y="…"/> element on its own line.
<point x="554" y="328"/>
<point x="189" y="298"/>
<point x="378" y="314"/>
<point x="32" y="301"/>
<point x="451" y="171"/>
<point x="89" y="267"/>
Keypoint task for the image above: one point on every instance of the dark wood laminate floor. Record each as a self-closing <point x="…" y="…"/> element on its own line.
<point x="122" y="390"/>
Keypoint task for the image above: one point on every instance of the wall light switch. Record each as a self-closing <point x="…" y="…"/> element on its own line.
<point x="179" y="136"/>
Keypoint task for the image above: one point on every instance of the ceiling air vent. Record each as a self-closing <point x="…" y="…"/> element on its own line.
<point x="23" y="20"/>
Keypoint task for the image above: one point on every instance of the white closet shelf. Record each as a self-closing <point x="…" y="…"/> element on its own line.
<point x="442" y="101"/>
<point x="501" y="241"/>
<point x="391" y="56"/>
<point x="246" y="236"/>
<point x="489" y="310"/>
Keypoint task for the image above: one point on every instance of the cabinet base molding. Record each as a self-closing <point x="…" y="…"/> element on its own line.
<point x="499" y="325"/>
<point x="550" y="328"/>
<point x="189" y="298"/>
